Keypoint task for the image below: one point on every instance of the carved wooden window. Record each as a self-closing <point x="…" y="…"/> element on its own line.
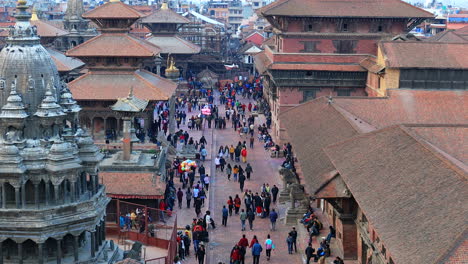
<point x="343" y="92"/>
<point x="2" y="84"/>
<point x="310" y="46"/>
<point x="309" y="94"/>
<point x="345" y="46"/>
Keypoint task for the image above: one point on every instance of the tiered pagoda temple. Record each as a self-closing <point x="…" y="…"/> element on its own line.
<point x="164" y="25"/>
<point x="318" y="45"/>
<point x="76" y="25"/>
<point x="51" y="203"/>
<point x="114" y="59"/>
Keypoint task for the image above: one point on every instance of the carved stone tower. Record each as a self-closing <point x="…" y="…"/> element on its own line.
<point x="51" y="203"/>
<point x="74" y="23"/>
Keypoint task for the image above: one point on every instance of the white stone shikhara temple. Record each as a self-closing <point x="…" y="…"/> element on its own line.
<point x="52" y="206"/>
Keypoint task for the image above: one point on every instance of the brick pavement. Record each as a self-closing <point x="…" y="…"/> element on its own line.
<point x="222" y="239"/>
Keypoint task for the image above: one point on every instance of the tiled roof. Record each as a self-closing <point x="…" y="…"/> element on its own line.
<point x="423" y="54"/>
<point x="413" y="197"/>
<point x="113" y="10"/>
<point x="45" y="29"/>
<point x="111" y="85"/>
<point x="316" y="124"/>
<point x="447" y="139"/>
<point x="114" y="45"/>
<point x="166" y="16"/>
<point x="371" y="65"/>
<point x="142" y="185"/>
<point x="174" y="45"/>
<point x="407" y="107"/>
<point x="343" y="8"/>
<point x="311" y="127"/>
<point x="448" y="36"/>
<point x="64" y="63"/>
<point x="462" y="31"/>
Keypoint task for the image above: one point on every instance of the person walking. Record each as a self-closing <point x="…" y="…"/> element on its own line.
<point x="203" y="154"/>
<point x="201" y="254"/>
<point x="229" y="171"/>
<point x="269" y="246"/>
<point x="273" y="218"/>
<point x="248" y="170"/>
<point x="274" y="192"/>
<point x="241" y="181"/>
<point x="243" y="217"/>
<point x="188" y="197"/>
<point x="309" y="252"/>
<point x="256" y="251"/>
<point x="293" y="234"/>
<point x="180" y="195"/>
<point x="225" y="215"/>
<point x="230" y="204"/>
<point x="235" y="172"/>
<point x="331" y="234"/>
<point x="289" y="242"/>
<point x="244" y="155"/>
<point x="207" y="181"/>
<point x="250" y="218"/>
<point x="237" y="204"/>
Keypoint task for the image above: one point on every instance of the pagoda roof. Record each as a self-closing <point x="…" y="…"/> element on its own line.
<point x="47" y="30"/>
<point x="113" y="10"/>
<point x="208" y="74"/>
<point x="64" y="63"/>
<point x="344" y="8"/>
<point x="174" y="45"/>
<point x="448" y="36"/>
<point x="130" y="104"/>
<point x="114" y="45"/>
<point x="164" y="16"/>
<point x="112" y="85"/>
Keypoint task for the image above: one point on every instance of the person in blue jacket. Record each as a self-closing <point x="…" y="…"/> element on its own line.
<point x="256" y="251"/>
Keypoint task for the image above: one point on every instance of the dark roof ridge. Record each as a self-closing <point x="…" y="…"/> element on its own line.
<point x="458" y="242"/>
<point x="324" y="184"/>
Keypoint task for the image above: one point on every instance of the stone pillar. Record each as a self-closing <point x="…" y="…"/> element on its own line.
<point x="47" y="193"/>
<point x="23" y="195"/>
<point x="56" y="194"/>
<point x="1" y="252"/>
<point x="17" y="197"/>
<point x="36" y="195"/>
<point x="59" y="251"/>
<point x="76" y="247"/>
<point x="127" y="138"/>
<point x="72" y="192"/>
<point x="40" y="251"/>
<point x="96" y="181"/>
<point x="93" y="185"/>
<point x="84" y="186"/>
<point x="65" y="193"/>
<point x="20" y="253"/>
<point x="93" y="244"/>
<point x="4" y="195"/>
<point x="103" y="225"/>
<point x="78" y="188"/>
<point x="99" y="235"/>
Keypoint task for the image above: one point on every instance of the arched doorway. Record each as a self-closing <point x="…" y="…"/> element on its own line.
<point x="30" y="193"/>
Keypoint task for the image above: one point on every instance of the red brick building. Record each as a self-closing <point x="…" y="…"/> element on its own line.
<point x="394" y="193"/>
<point x="114" y="59"/>
<point x="318" y="45"/>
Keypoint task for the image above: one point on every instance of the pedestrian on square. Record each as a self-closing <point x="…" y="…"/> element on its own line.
<point x="251" y="142"/>
<point x="201" y="254"/>
<point x="229" y="171"/>
<point x="241" y="181"/>
<point x="180" y="195"/>
<point x="231" y="152"/>
<point x="293" y="234"/>
<point x="188" y="197"/>
<point x="274" y="192"/>
<point x="225" y="215"/>
<point x="256" y="251"/>
<point x="237" y="203"/>
<point x="243" y="242"/>
<point x="309" y="252"/>
<point x="207" y="181"/>
<point x="273" y="218"/>
<point x="235" y="172"/>
<point x="250" y="218"/>
<point x="243" y="217"/>
<point x="248" y="170"/>
<point x="269" y="246"/>
<point x="331" y="234"/>
<point x="244" y="155"/>
<point x="289" y="242"/>
<point x="203" y="154"/>
<point x="230" y="204"/>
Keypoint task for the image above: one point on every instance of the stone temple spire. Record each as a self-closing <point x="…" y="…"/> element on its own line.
<point x="14" y="108"/>
<point x="75" y="10"/>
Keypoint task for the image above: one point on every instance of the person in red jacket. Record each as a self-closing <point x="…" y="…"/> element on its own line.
<point x="244" y="155"/>
<point x="254" y="240"/>
<point x="235" y="255"/>
<point x="243" y="242"/>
